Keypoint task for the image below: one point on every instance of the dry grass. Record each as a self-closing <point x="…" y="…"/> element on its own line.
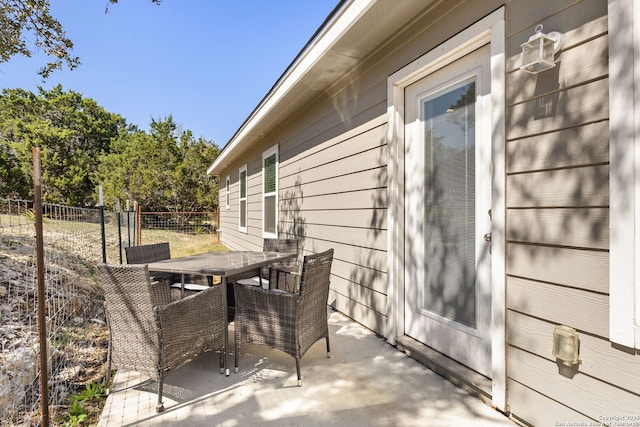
<point x="183" y="244"/>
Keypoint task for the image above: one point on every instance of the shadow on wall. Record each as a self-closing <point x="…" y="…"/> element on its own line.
<point x="367" y="283"/>
<point x="293" y="222"/>
<point x="557" y="163"/>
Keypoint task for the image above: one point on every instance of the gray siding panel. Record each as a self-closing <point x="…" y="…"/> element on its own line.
<point x="562" y="109"/>
<point x="586" y="186"/>
<point x="577" y="268"/>
<point x="596" y="358"/>
<point x="582" y="393"/>
<point x="531" y="405"/>
<point x="574" y="227"/>
<point x="577" y="146"/>
<point x="579" y="309"/>
<point x="333" y="194"/>
<point x="557" y="163"/>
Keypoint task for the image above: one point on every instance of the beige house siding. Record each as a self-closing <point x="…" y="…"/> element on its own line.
<point x="333" y="194"/>
<point x="333" y="158"/>
<point x="558" y="222"/>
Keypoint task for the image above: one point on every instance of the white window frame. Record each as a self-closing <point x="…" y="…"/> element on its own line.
<point x="227" y="195"/>
<point x="624" y="166"/>
<point x="266" y="154"/>
<point x="241" y="199"/>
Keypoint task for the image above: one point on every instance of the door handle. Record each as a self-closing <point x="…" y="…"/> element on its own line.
<point x="487" y="237"/>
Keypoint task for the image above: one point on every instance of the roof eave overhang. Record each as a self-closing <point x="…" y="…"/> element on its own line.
<point x="319" y="65"/>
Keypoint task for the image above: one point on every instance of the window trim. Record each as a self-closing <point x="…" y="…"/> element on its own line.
<point x="228" y="192"/>
<point x="242" y="229"/>
<point x="266" y="154"/>
<point x="624" y="179"/>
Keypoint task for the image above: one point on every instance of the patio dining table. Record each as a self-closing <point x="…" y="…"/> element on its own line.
<point x="222" y="264"/>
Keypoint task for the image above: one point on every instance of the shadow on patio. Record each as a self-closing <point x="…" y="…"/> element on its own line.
<point x="366" y="382"/>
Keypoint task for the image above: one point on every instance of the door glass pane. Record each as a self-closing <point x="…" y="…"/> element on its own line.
<point x="449" y="201"/>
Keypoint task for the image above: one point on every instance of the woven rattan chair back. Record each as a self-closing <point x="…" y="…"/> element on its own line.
<point x="277" y="280"/>
<point x="129" y="302"/>
<point x="145" y="254"/>
<point x="149" y="333"/>
<point x="289" y="322"/>
<point x="280" y="245"/>
<point x="314" y="290"/>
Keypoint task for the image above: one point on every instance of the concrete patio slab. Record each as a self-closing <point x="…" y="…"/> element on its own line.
<point x="366" y="382"/>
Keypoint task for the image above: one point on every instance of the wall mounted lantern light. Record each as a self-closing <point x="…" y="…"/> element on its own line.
<point x="566" y="345"/>
<point x="538" y="53"/>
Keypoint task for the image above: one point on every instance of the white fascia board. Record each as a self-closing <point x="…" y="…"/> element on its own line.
<point x="334" y="30"/>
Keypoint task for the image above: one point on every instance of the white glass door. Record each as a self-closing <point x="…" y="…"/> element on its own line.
<point x="447" y="216"/>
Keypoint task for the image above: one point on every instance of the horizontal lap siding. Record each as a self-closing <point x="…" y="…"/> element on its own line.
<point x="574" y="227"/>
<point x="577" y="268"/>
<point x="334" y="194"/>
<point x="333" y="160"/>
<point x="333" y="175"/>
<point x="229" y="219"/>
<point x="557" y="258"/>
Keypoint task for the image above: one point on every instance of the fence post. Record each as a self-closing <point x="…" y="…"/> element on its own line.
<point x="42" y="325"/>
<point x="119" y="223"/>
<point x="128" y="224"/>
<point x="138" y="224"/>
<point x="104" y="236"/>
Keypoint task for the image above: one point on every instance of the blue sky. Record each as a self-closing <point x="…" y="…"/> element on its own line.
<point x="208" y="63"/>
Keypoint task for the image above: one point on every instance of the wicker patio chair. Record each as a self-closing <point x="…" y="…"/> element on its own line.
<point x="290" y="322"/>
<point x="277" y="273"/>
<point x="269" y="277"/>
<point x="144" y="254"/>
<point x="149" y="333"/>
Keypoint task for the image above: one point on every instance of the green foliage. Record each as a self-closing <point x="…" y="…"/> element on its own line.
<point x="27" y="26"/>
<point x="80" y="408"/>
<point x="14" y="182"/>
<point x="93" y="392"/>
<point x="164" y="170"/>
<point x="71" y="132"/>
<point x="77" y="409"/>
<point x="83" y="146"/>
<point x="77" y="416"/>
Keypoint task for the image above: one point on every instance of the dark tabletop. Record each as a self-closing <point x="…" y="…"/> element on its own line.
<point x="220" y="263"/>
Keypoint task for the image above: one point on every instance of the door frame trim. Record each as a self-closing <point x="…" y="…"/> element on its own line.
<point x="490" y="29"/>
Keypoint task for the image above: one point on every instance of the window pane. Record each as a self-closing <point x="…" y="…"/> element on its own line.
<point x="243" y="213"/>
<point x="270" y="214"/>
<point x="270" y="174"/>
<point x="449" y="126"/>
<point x="243" y="184"/>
